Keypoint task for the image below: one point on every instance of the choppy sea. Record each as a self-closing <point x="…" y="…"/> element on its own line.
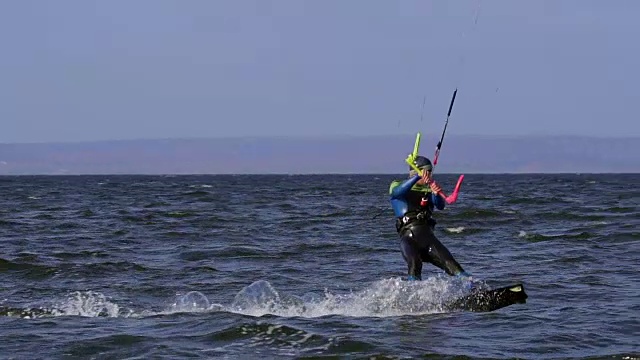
<point x="309" y="266"/>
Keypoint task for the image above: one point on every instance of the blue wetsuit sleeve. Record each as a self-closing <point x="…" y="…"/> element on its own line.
<point x="405" y="187"/>
<point x="437" y="201"/>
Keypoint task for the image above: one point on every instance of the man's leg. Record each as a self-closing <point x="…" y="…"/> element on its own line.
<point x="439" y="255"/>
<point x="411" y="255"/>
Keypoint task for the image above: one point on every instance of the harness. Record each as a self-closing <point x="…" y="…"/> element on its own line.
<point x="419" y="213"/>
<point x="414" y="218"/>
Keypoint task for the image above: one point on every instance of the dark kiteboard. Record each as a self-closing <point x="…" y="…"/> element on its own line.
<point x="490" y="300"/>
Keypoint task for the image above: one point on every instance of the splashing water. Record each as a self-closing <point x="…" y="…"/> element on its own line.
<point x="383" y="298"/>
<point x="389" y="297"/>
<point x="88" y="304"/>
<point x="193" y="301"/>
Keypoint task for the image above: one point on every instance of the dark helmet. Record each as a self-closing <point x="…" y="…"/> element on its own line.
<point x="422" y="163"/>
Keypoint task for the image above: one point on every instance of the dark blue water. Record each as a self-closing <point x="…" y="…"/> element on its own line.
<point x="236" y="267"/>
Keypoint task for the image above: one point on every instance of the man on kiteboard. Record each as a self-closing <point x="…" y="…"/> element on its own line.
<point x="413" y="202"/>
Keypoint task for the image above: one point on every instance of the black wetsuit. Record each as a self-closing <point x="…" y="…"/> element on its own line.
<point x="413" y="206"/>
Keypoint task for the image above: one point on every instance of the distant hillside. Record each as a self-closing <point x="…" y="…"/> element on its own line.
<point x="460" y="154"/>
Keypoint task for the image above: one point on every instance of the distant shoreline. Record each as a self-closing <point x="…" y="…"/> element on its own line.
<point x="320" y="155"/>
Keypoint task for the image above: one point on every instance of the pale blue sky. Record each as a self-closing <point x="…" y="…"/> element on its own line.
<point x="123" y="69"/>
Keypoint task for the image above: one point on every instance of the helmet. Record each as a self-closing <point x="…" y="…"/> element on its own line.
<point x="422" y="163"/>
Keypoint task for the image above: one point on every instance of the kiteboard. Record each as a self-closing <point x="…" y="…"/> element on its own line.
<point x="490" y="300"/>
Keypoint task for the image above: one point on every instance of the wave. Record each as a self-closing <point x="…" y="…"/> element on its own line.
<point x="464" y="230"/>
<point x="536" y="237"/>
<point x="31" y="271"/>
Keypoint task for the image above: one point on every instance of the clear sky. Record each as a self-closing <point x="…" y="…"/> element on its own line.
<point x="121" y="69"/>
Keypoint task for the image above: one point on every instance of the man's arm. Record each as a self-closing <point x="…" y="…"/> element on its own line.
<point x="438" y="201"/>
<point x="437" y="196"/>
<point x="397" y="191"/>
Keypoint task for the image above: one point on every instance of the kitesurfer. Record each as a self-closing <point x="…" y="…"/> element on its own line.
<point x="413" y="201"/>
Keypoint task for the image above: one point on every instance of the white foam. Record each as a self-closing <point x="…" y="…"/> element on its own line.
<point x="597" y="223"/>
<point x="389" y="297"/>
<point x="383" y="298"/>
<point x="193" y="301"/>
<point x="88" y="304"/>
